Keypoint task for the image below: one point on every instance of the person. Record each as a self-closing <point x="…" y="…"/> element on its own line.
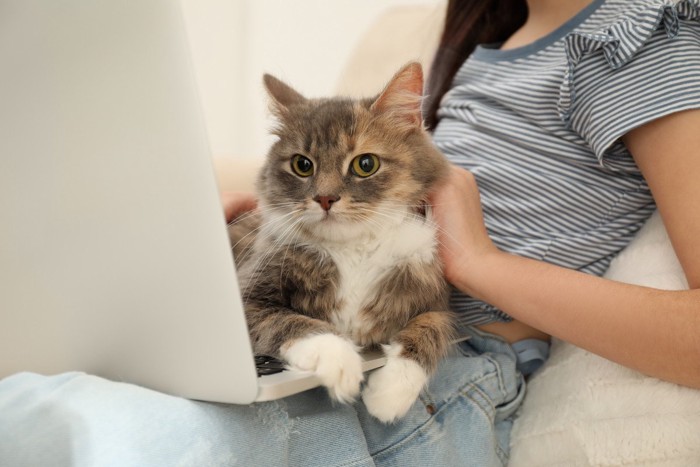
<point x="567" y="123"/>
<point x="635" y="111"/>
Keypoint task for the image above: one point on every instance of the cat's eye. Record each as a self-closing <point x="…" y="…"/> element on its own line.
<point x="302" y="166"/>
<point x="364" y="165"/>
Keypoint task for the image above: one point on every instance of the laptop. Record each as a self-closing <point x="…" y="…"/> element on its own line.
<point x="114" y="256"/>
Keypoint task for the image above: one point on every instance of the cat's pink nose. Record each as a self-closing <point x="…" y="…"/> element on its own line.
<point x="326" y="201"/>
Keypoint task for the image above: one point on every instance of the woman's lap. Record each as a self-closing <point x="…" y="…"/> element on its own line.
<point x="76" y="419"/>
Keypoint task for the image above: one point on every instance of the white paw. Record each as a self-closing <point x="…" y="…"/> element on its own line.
<point x="333" y="359"/>
<point x="394" y="388"/>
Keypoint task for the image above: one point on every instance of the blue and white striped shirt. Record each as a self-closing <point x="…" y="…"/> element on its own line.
<point x="540" y="127"/>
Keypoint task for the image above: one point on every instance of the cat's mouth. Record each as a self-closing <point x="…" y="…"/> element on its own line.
<point x="328" y="215"/>
<point x="330" y="218"/>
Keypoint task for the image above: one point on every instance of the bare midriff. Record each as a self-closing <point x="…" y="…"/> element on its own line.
<point x="514" y="331"/>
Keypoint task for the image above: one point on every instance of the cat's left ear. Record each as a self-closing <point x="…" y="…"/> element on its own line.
<point x="402" y="97"/>
<point x="282" y="95"/>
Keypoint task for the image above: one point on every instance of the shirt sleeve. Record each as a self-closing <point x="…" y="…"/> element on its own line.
<point x="643" y="66"/>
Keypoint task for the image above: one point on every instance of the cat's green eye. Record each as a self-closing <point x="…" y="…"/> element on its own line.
<point x="302" y="166"/>
<point x="364" y="165"/>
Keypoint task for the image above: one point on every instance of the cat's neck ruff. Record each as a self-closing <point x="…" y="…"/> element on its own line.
<point x="364" y="261"/>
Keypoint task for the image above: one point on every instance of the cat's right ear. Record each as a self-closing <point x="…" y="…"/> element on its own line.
<point x="401" y="98"/>
<point x="282" y="95"/>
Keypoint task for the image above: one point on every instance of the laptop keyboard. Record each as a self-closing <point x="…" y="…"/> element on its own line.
<point x="267" y="365"/>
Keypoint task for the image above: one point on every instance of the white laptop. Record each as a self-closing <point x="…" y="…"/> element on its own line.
<point x="114" y="258"/>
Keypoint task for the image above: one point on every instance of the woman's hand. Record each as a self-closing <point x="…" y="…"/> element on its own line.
<point x="236" y="203"/>
<point x="462" y="234"/>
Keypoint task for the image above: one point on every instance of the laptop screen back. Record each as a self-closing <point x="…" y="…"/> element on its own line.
<point x="113" y="253"/>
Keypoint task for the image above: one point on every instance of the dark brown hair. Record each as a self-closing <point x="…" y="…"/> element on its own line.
<point x="468" y="23"/>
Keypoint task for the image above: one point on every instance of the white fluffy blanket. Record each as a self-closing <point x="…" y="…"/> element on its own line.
<point x="581" y="409"/>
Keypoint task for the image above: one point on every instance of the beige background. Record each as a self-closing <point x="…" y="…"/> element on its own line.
<point x="306" y="42"/>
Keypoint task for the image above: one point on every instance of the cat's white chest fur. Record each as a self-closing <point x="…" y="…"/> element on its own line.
<point x="363" y="263"/>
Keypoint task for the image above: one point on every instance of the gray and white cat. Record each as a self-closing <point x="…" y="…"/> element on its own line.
<point x="343" y="254"/>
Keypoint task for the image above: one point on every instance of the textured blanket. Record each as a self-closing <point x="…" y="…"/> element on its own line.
<point x="581" y="409"/>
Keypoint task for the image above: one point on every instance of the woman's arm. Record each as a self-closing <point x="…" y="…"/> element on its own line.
<point x="654" y="331"/>
<point x="667" y="152"/>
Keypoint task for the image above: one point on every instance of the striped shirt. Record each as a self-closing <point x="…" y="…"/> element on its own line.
<point x="540" y="127"/>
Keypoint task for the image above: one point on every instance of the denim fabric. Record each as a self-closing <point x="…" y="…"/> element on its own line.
<point x="463" y="418"/>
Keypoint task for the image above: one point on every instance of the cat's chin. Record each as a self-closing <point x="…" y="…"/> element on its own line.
<point x="334" y="229"/>
<point x="341" y="227"/>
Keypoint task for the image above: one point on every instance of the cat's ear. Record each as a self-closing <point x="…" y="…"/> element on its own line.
<point x="402" y="97"/>
<point x="282" y="95"/>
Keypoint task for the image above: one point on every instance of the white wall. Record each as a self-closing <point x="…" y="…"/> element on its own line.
<point x="304" y="42"/>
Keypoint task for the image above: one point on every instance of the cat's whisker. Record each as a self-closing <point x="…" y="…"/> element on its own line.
<point x="256" y="268"/>
<point x="262" y="269"/>
<point x="454" y="239"/>
<point x="290" y="231"/>
<point x="284" y="258"/>
<point x="258" y="236"/>
<point x="279" y="240"/>
<point x="260" y="210"/>
<point x="389" y="211"/>
<point x="370" y="220"/>
<point x="264" y="225"/>
<point x="267" y="234"/>
<point x="402" y="208"/>
<point x="387" y="215"/>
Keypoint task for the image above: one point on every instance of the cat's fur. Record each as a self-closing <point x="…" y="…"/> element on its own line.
<point x="341" y="262"/>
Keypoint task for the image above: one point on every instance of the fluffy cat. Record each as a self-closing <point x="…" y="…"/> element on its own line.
<point x="343" y="254"/>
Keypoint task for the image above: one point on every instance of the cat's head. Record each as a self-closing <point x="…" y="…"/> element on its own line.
<point x="341" y="166"/>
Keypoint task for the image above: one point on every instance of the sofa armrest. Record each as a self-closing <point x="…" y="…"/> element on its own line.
<point x="401" y="34"/>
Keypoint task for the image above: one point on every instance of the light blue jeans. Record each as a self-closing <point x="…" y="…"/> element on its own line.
<point x="463" y="418"/>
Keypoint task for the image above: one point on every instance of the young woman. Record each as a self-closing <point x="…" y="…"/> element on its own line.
<point x="568" y="123"/>
<point x="583" y="157"/>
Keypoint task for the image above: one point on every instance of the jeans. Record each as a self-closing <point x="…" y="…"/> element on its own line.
<point x="462" y="418"/>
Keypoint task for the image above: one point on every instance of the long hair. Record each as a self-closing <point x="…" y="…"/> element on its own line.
<point x="468" y="23"/>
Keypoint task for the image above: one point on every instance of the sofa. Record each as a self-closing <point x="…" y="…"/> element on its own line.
<point x="579" y="409"/>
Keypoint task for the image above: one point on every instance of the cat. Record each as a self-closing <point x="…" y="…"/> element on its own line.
<point x="341" y="253"/>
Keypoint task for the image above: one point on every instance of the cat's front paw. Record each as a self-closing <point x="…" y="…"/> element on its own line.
<point x="333" y="359"/>
<point x="394" y="388"/>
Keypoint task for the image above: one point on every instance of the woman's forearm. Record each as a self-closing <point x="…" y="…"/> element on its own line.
<point x="651" y="330"/>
